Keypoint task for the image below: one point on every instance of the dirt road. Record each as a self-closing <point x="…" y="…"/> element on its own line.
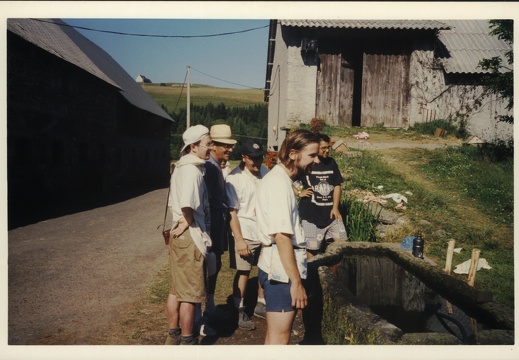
<point x="71" y="274"/>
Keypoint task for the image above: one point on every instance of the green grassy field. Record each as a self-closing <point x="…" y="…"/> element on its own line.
<point x="174" y="97"/>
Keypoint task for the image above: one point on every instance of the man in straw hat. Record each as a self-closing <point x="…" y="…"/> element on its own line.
<point x="190" y="243"/>
<point x="215" y="182"/>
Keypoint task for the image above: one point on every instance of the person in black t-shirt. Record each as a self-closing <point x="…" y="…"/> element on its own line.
<point x="319" y="204"/>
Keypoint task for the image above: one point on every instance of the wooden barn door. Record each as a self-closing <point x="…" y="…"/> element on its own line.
<point x="334" y="98"/>
<point x="385" y="90"/>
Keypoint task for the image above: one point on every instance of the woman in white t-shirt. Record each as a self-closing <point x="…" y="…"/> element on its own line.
<point x="282" y="262"/>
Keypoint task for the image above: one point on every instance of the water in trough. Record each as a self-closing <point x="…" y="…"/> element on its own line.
<point x="402" y="299"/>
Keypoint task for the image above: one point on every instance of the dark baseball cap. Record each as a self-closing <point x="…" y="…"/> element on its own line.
<point x="252" y="149"/>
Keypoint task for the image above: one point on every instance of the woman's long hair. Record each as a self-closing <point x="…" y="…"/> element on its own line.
<point x="296" y="140"/>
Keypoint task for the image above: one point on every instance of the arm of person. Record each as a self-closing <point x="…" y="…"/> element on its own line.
<point x="286" y="255"/>
<point x="335" y="213"/>
<point x="183" y="224"/>
<point x="240" y="245"/>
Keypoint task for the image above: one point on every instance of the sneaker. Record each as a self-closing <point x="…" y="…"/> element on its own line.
<point x="260" y="310"/>
<point x="244" y="321"/>
<point x="173" y="339"/>
<point x="192" y="341"/>
<point x="216" y="314"/>
<point x="204" y="329"/>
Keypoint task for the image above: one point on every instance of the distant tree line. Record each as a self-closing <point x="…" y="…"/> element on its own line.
<point x="245" y="122"/>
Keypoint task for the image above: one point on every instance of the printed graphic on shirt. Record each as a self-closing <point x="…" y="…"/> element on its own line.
<point x="322" y="195"/>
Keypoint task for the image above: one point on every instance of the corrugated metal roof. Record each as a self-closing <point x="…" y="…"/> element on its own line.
<point x="368" y="24"/>
<point x="467" y="43"/>
<point x="67" y="43"/>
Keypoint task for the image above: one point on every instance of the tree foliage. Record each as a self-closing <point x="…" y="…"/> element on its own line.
<point x="245" y="122"/>
<point x="500" y="79"/>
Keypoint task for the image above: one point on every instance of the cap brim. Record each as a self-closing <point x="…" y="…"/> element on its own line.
<point x="254" y="154"/>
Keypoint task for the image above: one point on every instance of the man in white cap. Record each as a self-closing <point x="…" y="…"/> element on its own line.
<point x="215" y="182"/>
<point x="190" y="242"/>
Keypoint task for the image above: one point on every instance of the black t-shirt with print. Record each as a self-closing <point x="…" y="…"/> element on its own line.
<point x="323" y="178"/>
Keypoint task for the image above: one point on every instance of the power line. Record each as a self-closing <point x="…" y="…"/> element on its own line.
<point x="153" y="35"/>
<point x="230" y="82"/>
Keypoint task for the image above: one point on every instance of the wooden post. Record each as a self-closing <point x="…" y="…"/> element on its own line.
<point x="448" y="267"/>
<point x="473" y="267"/>
<point x="471" y="280"/>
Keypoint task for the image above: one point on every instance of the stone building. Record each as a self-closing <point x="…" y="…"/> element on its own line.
<point x="81" y="132"/>
<point x="394" y="73"/>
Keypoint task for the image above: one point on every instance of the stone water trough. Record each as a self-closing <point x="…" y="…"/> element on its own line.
<point x="378" y="293"/>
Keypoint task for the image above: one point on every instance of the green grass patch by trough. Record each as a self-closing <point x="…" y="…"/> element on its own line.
<point x="460" y="176"/>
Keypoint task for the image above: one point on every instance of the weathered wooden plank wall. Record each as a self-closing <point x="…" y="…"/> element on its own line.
<point x="334" y="100"/>
<point x="385" y="80"/>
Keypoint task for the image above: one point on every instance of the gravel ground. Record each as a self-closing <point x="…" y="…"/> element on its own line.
<point x="69" y="275"/>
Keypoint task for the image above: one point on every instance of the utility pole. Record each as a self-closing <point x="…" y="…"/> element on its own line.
<point x="188" y="113"/>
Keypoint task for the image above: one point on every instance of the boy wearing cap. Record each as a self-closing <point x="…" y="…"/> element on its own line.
<point x="241" y="186"/>
<point x="215" y="182"/>
<point x="190" y="242"/>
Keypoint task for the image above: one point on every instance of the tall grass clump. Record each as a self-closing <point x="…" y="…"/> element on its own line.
<point x="359" y="220"/>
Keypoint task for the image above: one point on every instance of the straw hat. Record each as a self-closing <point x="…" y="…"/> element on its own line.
<point x="222" y="134"/>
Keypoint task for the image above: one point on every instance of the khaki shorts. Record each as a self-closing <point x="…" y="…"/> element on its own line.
<point x="188" y="270"/>
<point x="246" y="263"/>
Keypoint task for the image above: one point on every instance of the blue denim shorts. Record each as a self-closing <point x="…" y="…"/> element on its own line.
<point x="277" y="294"/>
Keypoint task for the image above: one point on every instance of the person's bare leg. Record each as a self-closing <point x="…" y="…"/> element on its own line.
<point x="240" y="283"/>
<point x="261" y="293"/>
<point x="172" y="311"/>
<point x="279" y="327"/>
<point x="187" y="318"/>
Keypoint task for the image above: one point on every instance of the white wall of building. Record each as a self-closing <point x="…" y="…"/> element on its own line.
<point x="292" y="89"/>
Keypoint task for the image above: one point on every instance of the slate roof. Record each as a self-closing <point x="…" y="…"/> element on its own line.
<point x="68" y="44"/>
<point x="468" y="42"/>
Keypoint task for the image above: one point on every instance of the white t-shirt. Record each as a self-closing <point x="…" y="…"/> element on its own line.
<point x="277" y="212"/>
<point x="188" y="190"/>
<point x="241" y="195"/>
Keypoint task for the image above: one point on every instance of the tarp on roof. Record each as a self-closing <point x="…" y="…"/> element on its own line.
<point x="368" y="24"/>
<point x="63" y="41"/>
<point x="467" y="43"/>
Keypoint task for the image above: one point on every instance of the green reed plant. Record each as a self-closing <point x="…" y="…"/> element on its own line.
<point x="359" y="219"/>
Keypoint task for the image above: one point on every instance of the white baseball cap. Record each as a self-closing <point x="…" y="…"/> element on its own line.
<point x="194" y="134"/>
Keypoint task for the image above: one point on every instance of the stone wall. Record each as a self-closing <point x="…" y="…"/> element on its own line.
<point x="347" y="320"/>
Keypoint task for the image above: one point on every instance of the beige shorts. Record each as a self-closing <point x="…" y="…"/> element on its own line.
<point x="188" y="270"/>
<point x="246" y="263"/>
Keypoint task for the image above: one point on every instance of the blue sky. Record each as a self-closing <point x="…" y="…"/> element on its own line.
<point x="236" y="58"/>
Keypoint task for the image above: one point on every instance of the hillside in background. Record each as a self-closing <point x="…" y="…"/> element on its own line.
<point x="174" y="96"/>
